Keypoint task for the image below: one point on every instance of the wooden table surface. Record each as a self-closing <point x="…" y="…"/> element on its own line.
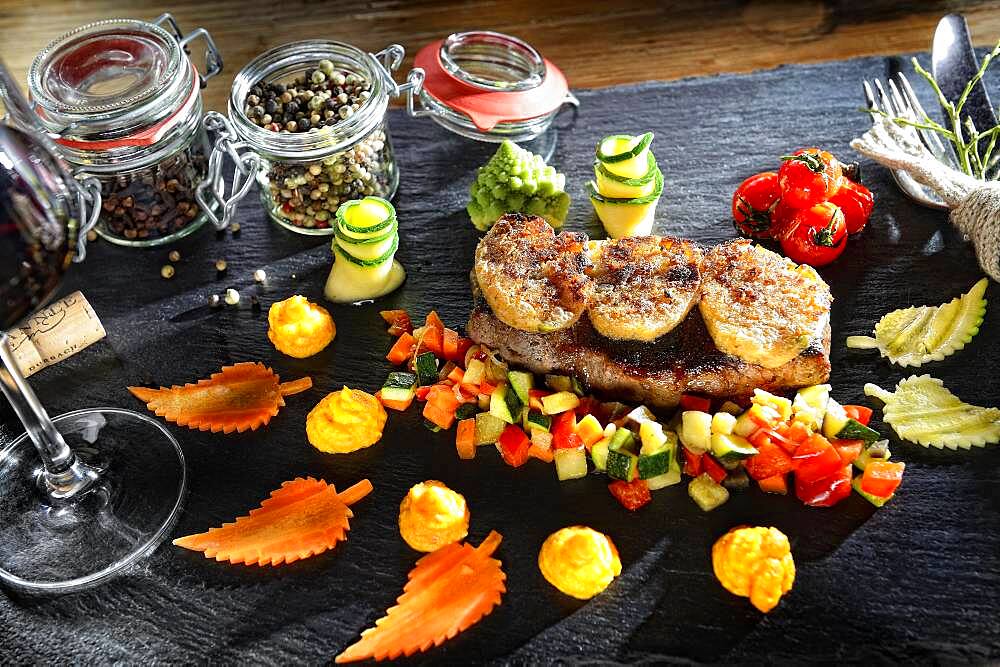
<point x="596" y="42"/>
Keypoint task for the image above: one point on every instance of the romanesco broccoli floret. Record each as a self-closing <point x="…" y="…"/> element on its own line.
<point x="517" y="181"/>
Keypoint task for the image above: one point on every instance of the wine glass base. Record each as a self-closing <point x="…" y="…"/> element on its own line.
<point x="50" y="547"/>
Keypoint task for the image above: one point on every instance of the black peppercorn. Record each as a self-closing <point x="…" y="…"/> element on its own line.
<point x="270" y="106"/>
<point x="292" y="108"/>
<point x="303" y="124"/>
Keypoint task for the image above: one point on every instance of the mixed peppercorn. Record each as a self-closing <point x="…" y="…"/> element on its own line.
<point x="308" y="194"/>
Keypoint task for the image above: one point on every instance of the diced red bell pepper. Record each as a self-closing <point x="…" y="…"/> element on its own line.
<point x="465" y="439"/>
<point x="398" y="321"/>
<point x="632" y="495"/>
<point x="432" y="341"/>
<point x="402" y="349"/>
<point x="769" y="461"/>
<point x="438" y="416"/>
<point x="563" y="431"/>
<point x="434" y="321"/>
<point x="859" y="413"/>
<point x="826" y="491"/>
<point x="487" y="388"/>
<point x="463" y="348"/>
<point x="422" y="392"/>
<point x="514" y="446"/>
<point x="786" y="444"/>
<point x="760" y="437"/>
<point x="796" y="432"/>
<point x="692" y="463"/>
<point x="848" y="449"/>
<point x="692" y="402"/>
<point x="776" y="484"/>
<point x="882" y="478"/>
<point x="816" y="459"/>
<point x="449" y="346"/>
<point x="713" y="468"/>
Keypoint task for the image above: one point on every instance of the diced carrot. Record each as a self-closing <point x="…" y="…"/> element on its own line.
<point x="848" y="449"/>
<point x="465" y="439"/>
<point x="434" y="321"/>
<point x="487" y="388"/>
<point x="691" y="402"/>
<point x="402" y="350"/>
<point x="438" y="416"/>
<point x="443" y="397"/>
<point x="713" y="468"/>
<point x="449" y="346"/>
<point x="422" y="392"/>
<point x="456" y="375"/>
<point x="541" y="453"/>
<point x="431" y="341"/>
<point x="535" y="398"/>
<point x="775" y="484"/>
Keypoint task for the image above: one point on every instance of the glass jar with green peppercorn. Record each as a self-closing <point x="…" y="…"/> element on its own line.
<point x="307" y="121"/>
<point x="123" y="101"/>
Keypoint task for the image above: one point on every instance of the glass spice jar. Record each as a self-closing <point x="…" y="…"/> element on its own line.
<point x="123" y="102"/>
<point x="307" y="121"/>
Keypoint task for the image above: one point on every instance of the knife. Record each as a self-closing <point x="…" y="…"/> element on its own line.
<point x="954" y="63"/>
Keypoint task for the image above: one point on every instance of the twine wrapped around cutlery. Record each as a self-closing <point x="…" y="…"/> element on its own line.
<point x="975" y="204"/>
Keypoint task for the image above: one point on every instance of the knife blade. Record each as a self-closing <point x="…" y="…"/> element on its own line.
<point x="954" y="63"/>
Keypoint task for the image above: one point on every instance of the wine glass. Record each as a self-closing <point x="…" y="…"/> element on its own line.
<point x="84" y="495"/>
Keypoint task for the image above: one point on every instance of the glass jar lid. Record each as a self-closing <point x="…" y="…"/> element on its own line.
<point x="491" y="86"/>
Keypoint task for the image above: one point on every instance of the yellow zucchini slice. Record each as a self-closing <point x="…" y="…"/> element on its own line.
<point x="614" y="186"/>
<point x="922" y="410"/>
<point x="627" y="217"/>
<point x="916" y="335"/>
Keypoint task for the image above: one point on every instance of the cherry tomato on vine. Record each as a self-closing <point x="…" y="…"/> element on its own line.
<point x="856" y="201"/>
<point x="754" y="204"/>
<point x="816" y="236"/>
<point x="808" y="177"/>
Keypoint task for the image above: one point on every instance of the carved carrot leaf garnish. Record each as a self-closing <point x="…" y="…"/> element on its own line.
<point x="303" y="518"/>
<point x="448" y="591"/>
<point x="239" y="397"/>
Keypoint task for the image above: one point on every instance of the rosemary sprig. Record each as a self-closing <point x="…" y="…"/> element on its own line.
<point x="974" y="159"/>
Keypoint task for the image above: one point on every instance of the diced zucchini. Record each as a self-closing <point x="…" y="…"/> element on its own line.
<point x="809" y="405"/>
<point x="427" y="368"/>
<point x="571" y="463"/>
<point x="634" y="419"/>
<point x="744" y="426"/>
<point x="505" y="405"/>
<point x="731" y="447"/>
<point x="399" y="386"/>
<point x="706" y="493"/>
<point x="671" y="477"/>
<point x="877" y="501"/>
<point x="624" y="440"/>
<point x="696" y="430"/>
<point x="855" y="430"/>
<point x="521" y="381"/>
<point x="561" y="401"/>
<point x="723" y="422"/>
<point x="559" y="382"/>
<point x="475" y="371"/>
<point x="464" y="411"/>
<point x="652" y="465"/>
<point x="780" y="404"/>
<point x="622" y="464"/>
<point x="875" y="451"/>
<point x="737" y="479"/>
<point x="652" y="437"/>
<point x="536" y="421"/>
<point x="599" y="454"/>
<point x="731" y="408"/>
<point x="835" y="419"/>
<point x="488" y="428"/>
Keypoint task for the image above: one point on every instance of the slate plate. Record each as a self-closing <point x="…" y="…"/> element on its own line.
<point x="916" y="580"/>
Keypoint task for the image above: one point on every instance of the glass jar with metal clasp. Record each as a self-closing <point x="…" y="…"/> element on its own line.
<point x="122" y="100"/>
<point x="307" y="122"/>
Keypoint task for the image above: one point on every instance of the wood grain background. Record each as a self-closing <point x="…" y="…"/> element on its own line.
<point x="597" y="43"/>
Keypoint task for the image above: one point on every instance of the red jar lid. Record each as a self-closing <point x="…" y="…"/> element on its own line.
<point x="491" y="78"/>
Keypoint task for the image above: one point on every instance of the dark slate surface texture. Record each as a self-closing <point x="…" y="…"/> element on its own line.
<point x="915" y="581"/>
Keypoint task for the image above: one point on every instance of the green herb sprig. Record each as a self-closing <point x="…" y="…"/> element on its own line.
<point x="973" y="158"/>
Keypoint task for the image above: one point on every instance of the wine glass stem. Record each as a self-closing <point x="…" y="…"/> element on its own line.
<point x="65" y="476"/>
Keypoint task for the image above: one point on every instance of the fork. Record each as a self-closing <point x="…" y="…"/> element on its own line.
<point x="901" y="101"/>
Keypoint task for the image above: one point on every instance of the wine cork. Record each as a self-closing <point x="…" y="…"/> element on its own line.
<point x="55" y="332"/>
